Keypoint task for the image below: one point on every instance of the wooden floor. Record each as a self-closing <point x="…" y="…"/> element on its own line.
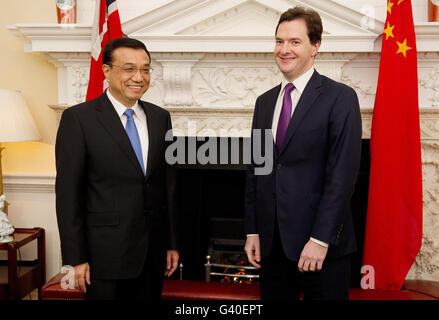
<point x="32" y="296"/>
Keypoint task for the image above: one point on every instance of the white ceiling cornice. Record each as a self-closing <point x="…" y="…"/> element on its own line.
<point x="181" y="14"/>
<point x="224" y="26"/>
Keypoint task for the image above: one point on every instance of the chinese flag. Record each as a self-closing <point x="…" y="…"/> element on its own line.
<point x="106" y="27"/>
<point x="394" y="214"/>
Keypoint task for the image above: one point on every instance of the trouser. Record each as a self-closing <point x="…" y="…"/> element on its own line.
<point x="147" y="286"/>
<point x="280" y="278"/>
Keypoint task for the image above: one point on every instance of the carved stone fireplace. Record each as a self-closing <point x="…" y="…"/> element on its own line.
<point x="211" y="60"/>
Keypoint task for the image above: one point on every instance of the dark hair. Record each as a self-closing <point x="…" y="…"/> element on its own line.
<point x="312" y="20"/>
<point x="125" y="42"/>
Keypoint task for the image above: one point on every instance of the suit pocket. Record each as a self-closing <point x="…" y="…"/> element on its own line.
<point x="103" y="219"/>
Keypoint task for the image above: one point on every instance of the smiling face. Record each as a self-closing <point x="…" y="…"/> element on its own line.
<point x="294" y="54"/>
<point x="125" y="87"/>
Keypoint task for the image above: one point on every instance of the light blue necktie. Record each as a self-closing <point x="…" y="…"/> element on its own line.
<point x="134" y="136"/>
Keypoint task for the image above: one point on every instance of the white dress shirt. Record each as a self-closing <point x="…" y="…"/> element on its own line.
<point x="299" y="86"/>
<point x="139" y="118"/>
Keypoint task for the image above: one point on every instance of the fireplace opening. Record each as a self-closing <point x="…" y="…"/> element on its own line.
<point x="211" y="216"/>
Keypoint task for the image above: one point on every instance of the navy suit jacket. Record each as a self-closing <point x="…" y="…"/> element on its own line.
<point x="109" y="213"/>
<point x="314" y="174"/>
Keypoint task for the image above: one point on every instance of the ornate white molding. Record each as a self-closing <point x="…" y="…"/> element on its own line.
<point x="53" y="37"/>
<point x="426" y="265"/>
<point x="59" y="109"/>
<point x="363" y="90"/>
<point x="177" y="75"/>
<point x="430" y="81"/>
<point x="429" y="123"/>
<point x="73" y="74"/>
<point x="221" y="26"/>
<point x="29" y="183"/>
<point x="228" y="87"/>
<point x="213" y="122"/>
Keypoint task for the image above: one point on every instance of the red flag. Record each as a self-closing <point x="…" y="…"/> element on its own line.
<point x="106" y="27"/>
<point x="394" y="215"/>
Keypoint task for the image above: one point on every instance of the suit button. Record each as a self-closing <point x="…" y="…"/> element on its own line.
<point x="279" y="165"/>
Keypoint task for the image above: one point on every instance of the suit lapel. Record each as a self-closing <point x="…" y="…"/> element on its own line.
<point x="271" y="105"/>
<point x="152" y="138"/>
<point x="110" y="120"/>
<point x="309" y="95"/>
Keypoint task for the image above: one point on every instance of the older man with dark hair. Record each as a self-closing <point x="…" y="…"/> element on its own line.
<point x="114" y="190"/>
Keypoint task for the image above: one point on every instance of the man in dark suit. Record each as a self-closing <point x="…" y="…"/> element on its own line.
<point x="114" y="189"/>
<point x="298" y="219"/>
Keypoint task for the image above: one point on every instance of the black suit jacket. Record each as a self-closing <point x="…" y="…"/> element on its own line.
<point x="109" y="214"/>
<point x="314" y="173"/>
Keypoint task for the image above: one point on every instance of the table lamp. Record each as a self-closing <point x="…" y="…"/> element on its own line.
<point x="16" y="125"/>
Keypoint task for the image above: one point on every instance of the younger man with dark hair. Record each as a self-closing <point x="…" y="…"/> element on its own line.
<point x="298" y="219"/>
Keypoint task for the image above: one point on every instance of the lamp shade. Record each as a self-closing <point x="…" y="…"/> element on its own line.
<point x="16" y="122"/>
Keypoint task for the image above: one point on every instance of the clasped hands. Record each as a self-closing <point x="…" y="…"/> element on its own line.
<point x="311" y="258"/>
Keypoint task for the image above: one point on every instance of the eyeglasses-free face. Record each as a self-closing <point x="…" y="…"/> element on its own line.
<point x="126" y="83"/>
<point x="294" y="54"/>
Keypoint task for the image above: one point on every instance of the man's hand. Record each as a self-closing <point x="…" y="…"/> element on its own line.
<point x="82" y="275"/>
<point x="171" y="262"/>
<point x="312" y="257"/>
<point x="253" y="250"/>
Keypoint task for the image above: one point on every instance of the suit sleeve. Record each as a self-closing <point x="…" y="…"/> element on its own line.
<point x="70" y="154"/>
<point x="172" y="215"/>
<point x="342" y="166"/>
<point x="250" y="186"/>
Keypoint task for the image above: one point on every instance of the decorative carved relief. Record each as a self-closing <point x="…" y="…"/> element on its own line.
<point x="236" y="15"/>
<point x="425" y="264"/>
<point x="431" y="82"/>
<point x="429" y="123"/>
<point x="427" y="261"/>
<point x="80" y="75"/>
<point x="232" y="87"/>
<point x="219" y="122"/>
<point x="177" y="75"/>
<point x="156" y="91"/>
<point x="366" y="119"/>
<point x="362" y="89"/>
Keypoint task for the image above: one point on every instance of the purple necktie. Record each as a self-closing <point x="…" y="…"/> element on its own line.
<point x="285" y="116"/>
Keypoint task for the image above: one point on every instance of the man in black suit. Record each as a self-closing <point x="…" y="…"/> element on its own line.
<point x="298" y="219"/>
<point x="114" y="189"/>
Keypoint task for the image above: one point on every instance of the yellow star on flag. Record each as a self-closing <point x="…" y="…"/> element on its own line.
<point x="403" y="48"/>
<point x="389" y="31"/>
<point x="399" y="2"/>
<point x="389" y="6"/>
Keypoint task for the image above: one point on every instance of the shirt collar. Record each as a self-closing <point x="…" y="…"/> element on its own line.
<point x="301" y="82"/>
<point x="120" y="108"/>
